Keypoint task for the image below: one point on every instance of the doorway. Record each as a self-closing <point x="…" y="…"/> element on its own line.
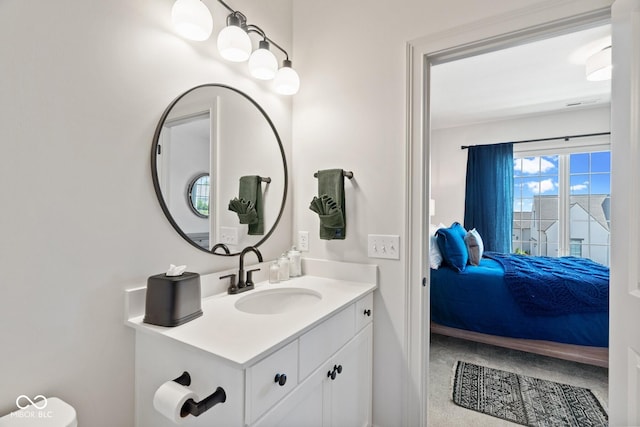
<point x="509" y="30"/>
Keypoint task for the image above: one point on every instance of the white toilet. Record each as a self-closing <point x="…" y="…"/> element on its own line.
<point x="52" y="412"/>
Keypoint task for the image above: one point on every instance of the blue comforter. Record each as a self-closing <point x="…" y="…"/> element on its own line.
<point x="478" y="299"/>
<point x="546" y="286"/>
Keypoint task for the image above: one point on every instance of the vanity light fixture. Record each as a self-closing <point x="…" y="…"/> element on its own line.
<point x="598" y="66"/>
<point x="263" y="64"/>
<point x="234" y="43"/>
<point x="287" y="81"/>
<point x="192" y="19"/>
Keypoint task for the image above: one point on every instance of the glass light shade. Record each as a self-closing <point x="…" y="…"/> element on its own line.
<point x="263" y="64"/>
<point x="598" y="66"/>
<point x="234" y="44"/>
<point x="192" y="19"/>
<point x="287" y="81"/>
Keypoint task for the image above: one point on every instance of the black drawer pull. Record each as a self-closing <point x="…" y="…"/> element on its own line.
<point x="337" y="369"/>
<point x="281" y="379"/>
<point x="367" y="312"/>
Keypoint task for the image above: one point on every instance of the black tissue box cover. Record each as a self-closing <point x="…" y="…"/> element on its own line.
<point x="173" y="300"/>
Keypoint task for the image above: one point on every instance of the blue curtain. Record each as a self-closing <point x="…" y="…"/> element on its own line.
<point x="488" y="205"/>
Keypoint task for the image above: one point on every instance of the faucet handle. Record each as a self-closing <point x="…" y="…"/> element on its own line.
<point x="233" y="288"/>
<point x="249" y="278"/>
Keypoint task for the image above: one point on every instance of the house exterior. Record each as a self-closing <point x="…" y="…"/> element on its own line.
<point x="538" y="232"/>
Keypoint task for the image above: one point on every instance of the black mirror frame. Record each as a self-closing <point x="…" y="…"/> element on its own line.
<point x="154" y="166"/>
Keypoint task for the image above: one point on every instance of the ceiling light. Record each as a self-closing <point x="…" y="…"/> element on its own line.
<point x="287" y="81"/>
<point x="598" y="66"/>
<point x="191" y="19"/>
<point x="262" y="63"/>
<point x="234" y="43"/>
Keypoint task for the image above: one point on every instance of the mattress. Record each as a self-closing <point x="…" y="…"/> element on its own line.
<point x="478" y="300"/>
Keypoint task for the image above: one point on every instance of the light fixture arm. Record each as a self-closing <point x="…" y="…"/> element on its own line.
<point x="250" y="28"/>
<point x="255" y="29"/>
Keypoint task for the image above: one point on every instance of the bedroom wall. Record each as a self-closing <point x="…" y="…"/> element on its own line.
<point x="449" y="162"/>
<point x="83" y="86"/>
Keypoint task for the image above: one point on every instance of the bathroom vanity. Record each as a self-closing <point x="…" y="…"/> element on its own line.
<point x="297" y="353"/>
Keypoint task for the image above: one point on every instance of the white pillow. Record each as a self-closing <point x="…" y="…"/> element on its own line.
<point x="475" y="246"/>
<point x="435" y="257"/>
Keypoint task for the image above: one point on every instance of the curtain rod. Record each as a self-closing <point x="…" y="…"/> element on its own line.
<point x="566" y="138"/>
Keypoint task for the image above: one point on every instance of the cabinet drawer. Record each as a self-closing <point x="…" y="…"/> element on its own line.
<point x="263" y="391"/>
<point x="325" y="339"/>
<point x="364" y="311"/>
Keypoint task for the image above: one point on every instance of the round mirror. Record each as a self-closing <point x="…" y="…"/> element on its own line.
<point x="219" y="147"/>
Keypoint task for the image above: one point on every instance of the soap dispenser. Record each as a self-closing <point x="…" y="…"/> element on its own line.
<point x="296" y="262"/>
<point x="284" y="265"/>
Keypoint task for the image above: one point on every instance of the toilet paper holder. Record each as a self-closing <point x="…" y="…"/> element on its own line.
<point x="197" y="408"/>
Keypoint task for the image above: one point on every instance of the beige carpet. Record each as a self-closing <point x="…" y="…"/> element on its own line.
<point x="445" y="351"/>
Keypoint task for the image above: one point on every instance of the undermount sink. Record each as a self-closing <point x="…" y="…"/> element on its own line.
<point x="277" y="301"/>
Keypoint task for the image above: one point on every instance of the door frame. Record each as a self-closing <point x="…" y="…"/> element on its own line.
<point x="539" y="21"/>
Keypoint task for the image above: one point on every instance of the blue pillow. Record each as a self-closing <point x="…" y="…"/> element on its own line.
<point x="452" y="246"/>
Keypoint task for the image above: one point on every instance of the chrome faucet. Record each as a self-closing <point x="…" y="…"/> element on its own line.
<point x="243" y="284"/>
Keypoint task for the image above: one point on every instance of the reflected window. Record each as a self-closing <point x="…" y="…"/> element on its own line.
<point x="198" y="195"/>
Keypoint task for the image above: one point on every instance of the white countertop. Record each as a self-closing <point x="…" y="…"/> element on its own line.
<point x="242" y="338"/>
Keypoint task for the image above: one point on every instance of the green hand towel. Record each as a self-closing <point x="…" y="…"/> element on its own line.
<point x="251" y="191"/>
<point x="245" y="209"/>
<point x="333" y="220"/>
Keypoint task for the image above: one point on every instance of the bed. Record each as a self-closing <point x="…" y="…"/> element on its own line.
<point x="481" y="304"/>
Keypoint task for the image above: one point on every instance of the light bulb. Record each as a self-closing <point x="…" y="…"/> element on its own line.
<point x="191" y="19"/>
<point x="287" y="81"/>
<point x="234" y="44"/>
<point x="263" y="63"/>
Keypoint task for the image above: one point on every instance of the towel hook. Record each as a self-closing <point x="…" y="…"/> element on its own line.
<point x="346" y="174"/>
<point x="265" y="179"/>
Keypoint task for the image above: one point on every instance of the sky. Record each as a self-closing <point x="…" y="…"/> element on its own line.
<point x="589" y="173"/>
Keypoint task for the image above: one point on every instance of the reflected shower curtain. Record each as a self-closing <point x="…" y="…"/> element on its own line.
<point x="488" y="205"/>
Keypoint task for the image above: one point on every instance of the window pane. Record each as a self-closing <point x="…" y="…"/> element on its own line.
<point x="579" y="163"/>
<point x="601" y="184"/>
<point x="601" y="161"/>
<point x="579" y="184"/>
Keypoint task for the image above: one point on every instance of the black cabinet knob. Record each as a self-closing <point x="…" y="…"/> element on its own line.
<point x="337" y="369"/>
<point x="281" y="379"/>
<point x="367" y="312"/>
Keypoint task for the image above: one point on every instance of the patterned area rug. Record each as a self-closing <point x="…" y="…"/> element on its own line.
<point x="525" y="400"/>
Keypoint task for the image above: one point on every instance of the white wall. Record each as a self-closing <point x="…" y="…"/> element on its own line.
<point x="351" y="113"/>
<point x="449" y="162"/>
<point x="83" y="86"/>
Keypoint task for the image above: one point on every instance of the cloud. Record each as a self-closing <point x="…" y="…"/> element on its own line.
<point x="539" y="187"/>
<point x="532" y="165"/>
<point x="580" y="187"/>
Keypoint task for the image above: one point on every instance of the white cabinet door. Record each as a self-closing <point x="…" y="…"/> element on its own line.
<point x="347" y="394"/>
<point x="302" y="408"/>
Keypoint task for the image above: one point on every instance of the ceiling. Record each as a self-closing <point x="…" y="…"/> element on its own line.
<point x="534" y="78"/>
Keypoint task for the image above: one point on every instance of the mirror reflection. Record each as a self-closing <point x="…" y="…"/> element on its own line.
<point x="198" y="195"/>
<point x="212" y="150"/>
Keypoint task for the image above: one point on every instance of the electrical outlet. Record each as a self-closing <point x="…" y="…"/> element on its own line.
<point x="383" y="246"/>
<point x="229" y="235"/>
<point x="303" y="241"/>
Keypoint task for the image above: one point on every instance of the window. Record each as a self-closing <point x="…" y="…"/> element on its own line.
<point x="576" y="247"/>
<point x="562" y="205"/>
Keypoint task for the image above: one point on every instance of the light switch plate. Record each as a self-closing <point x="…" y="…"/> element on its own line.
<point x="229" y="235"/>
<point x="383" y="246"/>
